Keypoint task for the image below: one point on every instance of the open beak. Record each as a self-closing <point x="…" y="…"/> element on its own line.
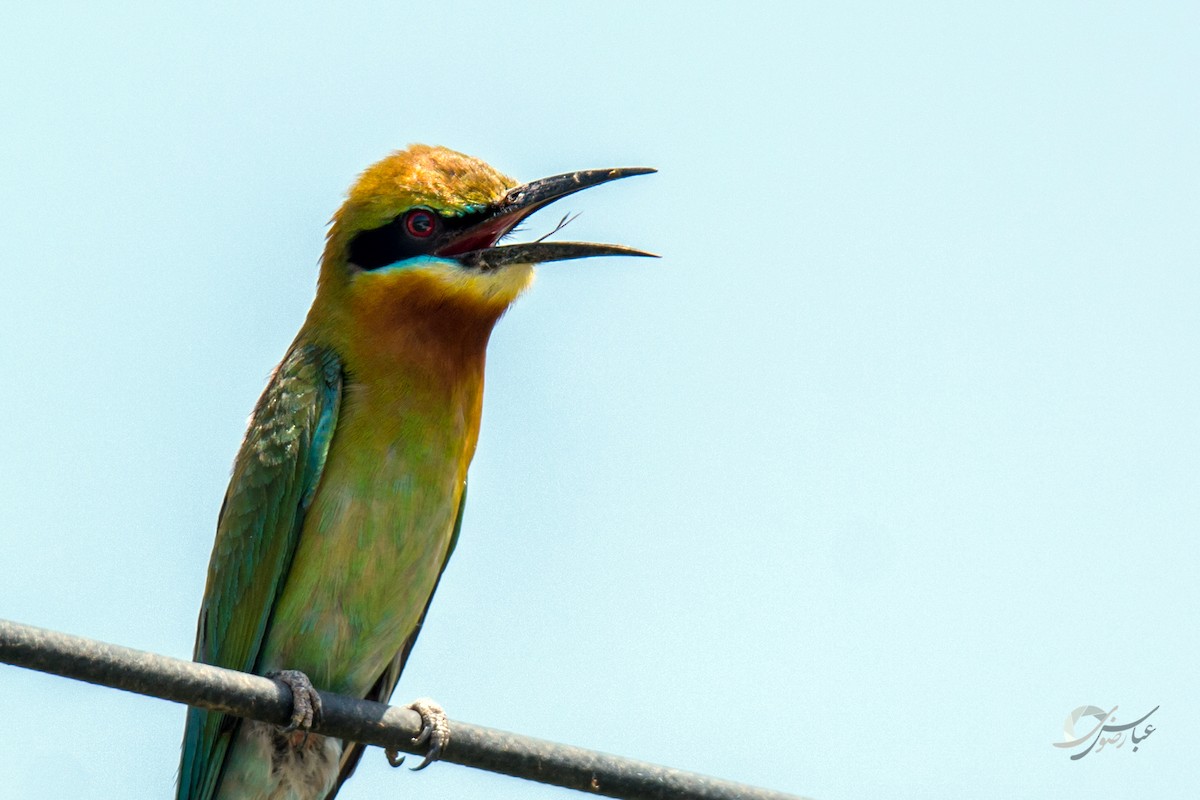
<point x="476" y="246"/>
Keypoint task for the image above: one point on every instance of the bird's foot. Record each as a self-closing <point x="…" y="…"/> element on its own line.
<point x="435" y="730"/>
<point x="306" y="703"/>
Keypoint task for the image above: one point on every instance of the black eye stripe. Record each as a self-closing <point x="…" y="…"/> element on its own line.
<point x="398" y="240"/>
<point x="381" y="246"/>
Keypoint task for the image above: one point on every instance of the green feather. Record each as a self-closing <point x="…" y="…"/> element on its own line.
<point x="383" y="688"/>
<point x="274" y="478"/>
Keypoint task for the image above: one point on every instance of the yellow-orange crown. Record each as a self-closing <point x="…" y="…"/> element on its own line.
<point x="442" y="179"/>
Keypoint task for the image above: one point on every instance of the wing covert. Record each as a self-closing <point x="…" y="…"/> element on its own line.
<point x="274" y="478"/>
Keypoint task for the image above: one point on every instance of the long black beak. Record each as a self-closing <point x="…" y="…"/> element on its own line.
<point x="476" y="246"/>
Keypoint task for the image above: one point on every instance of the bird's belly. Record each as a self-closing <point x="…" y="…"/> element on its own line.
<point x="372" y="547"/>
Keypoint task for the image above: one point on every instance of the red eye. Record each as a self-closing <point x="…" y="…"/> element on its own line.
<point x="420" y="223"/>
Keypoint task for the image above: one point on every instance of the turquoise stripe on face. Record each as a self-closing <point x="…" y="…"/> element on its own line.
<point x="416" y="261"/>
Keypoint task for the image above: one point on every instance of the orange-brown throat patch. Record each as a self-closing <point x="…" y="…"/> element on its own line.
<point x="428" y="323"/>
<point x="416" y="322"/>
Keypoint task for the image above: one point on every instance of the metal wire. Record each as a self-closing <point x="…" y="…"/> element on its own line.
<point x="259" y="698"/>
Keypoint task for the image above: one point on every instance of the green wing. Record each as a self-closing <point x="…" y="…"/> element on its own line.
<point x="274" y="479"/>
<point x="386" y="684"/>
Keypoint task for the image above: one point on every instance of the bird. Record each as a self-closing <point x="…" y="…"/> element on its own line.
<point x="347" y="494"/>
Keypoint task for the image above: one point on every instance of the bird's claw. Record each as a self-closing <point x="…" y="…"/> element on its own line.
<point x="435" y="730"/>
<point x="306" y="703"/>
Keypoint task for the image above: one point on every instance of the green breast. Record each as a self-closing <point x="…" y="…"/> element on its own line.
<point x="375" y="537"/>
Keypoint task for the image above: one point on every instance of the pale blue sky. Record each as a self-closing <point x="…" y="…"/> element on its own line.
<point x="889" y="464"/>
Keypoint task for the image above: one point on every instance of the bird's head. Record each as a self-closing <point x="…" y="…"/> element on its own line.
<point x="417" y="238"/>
